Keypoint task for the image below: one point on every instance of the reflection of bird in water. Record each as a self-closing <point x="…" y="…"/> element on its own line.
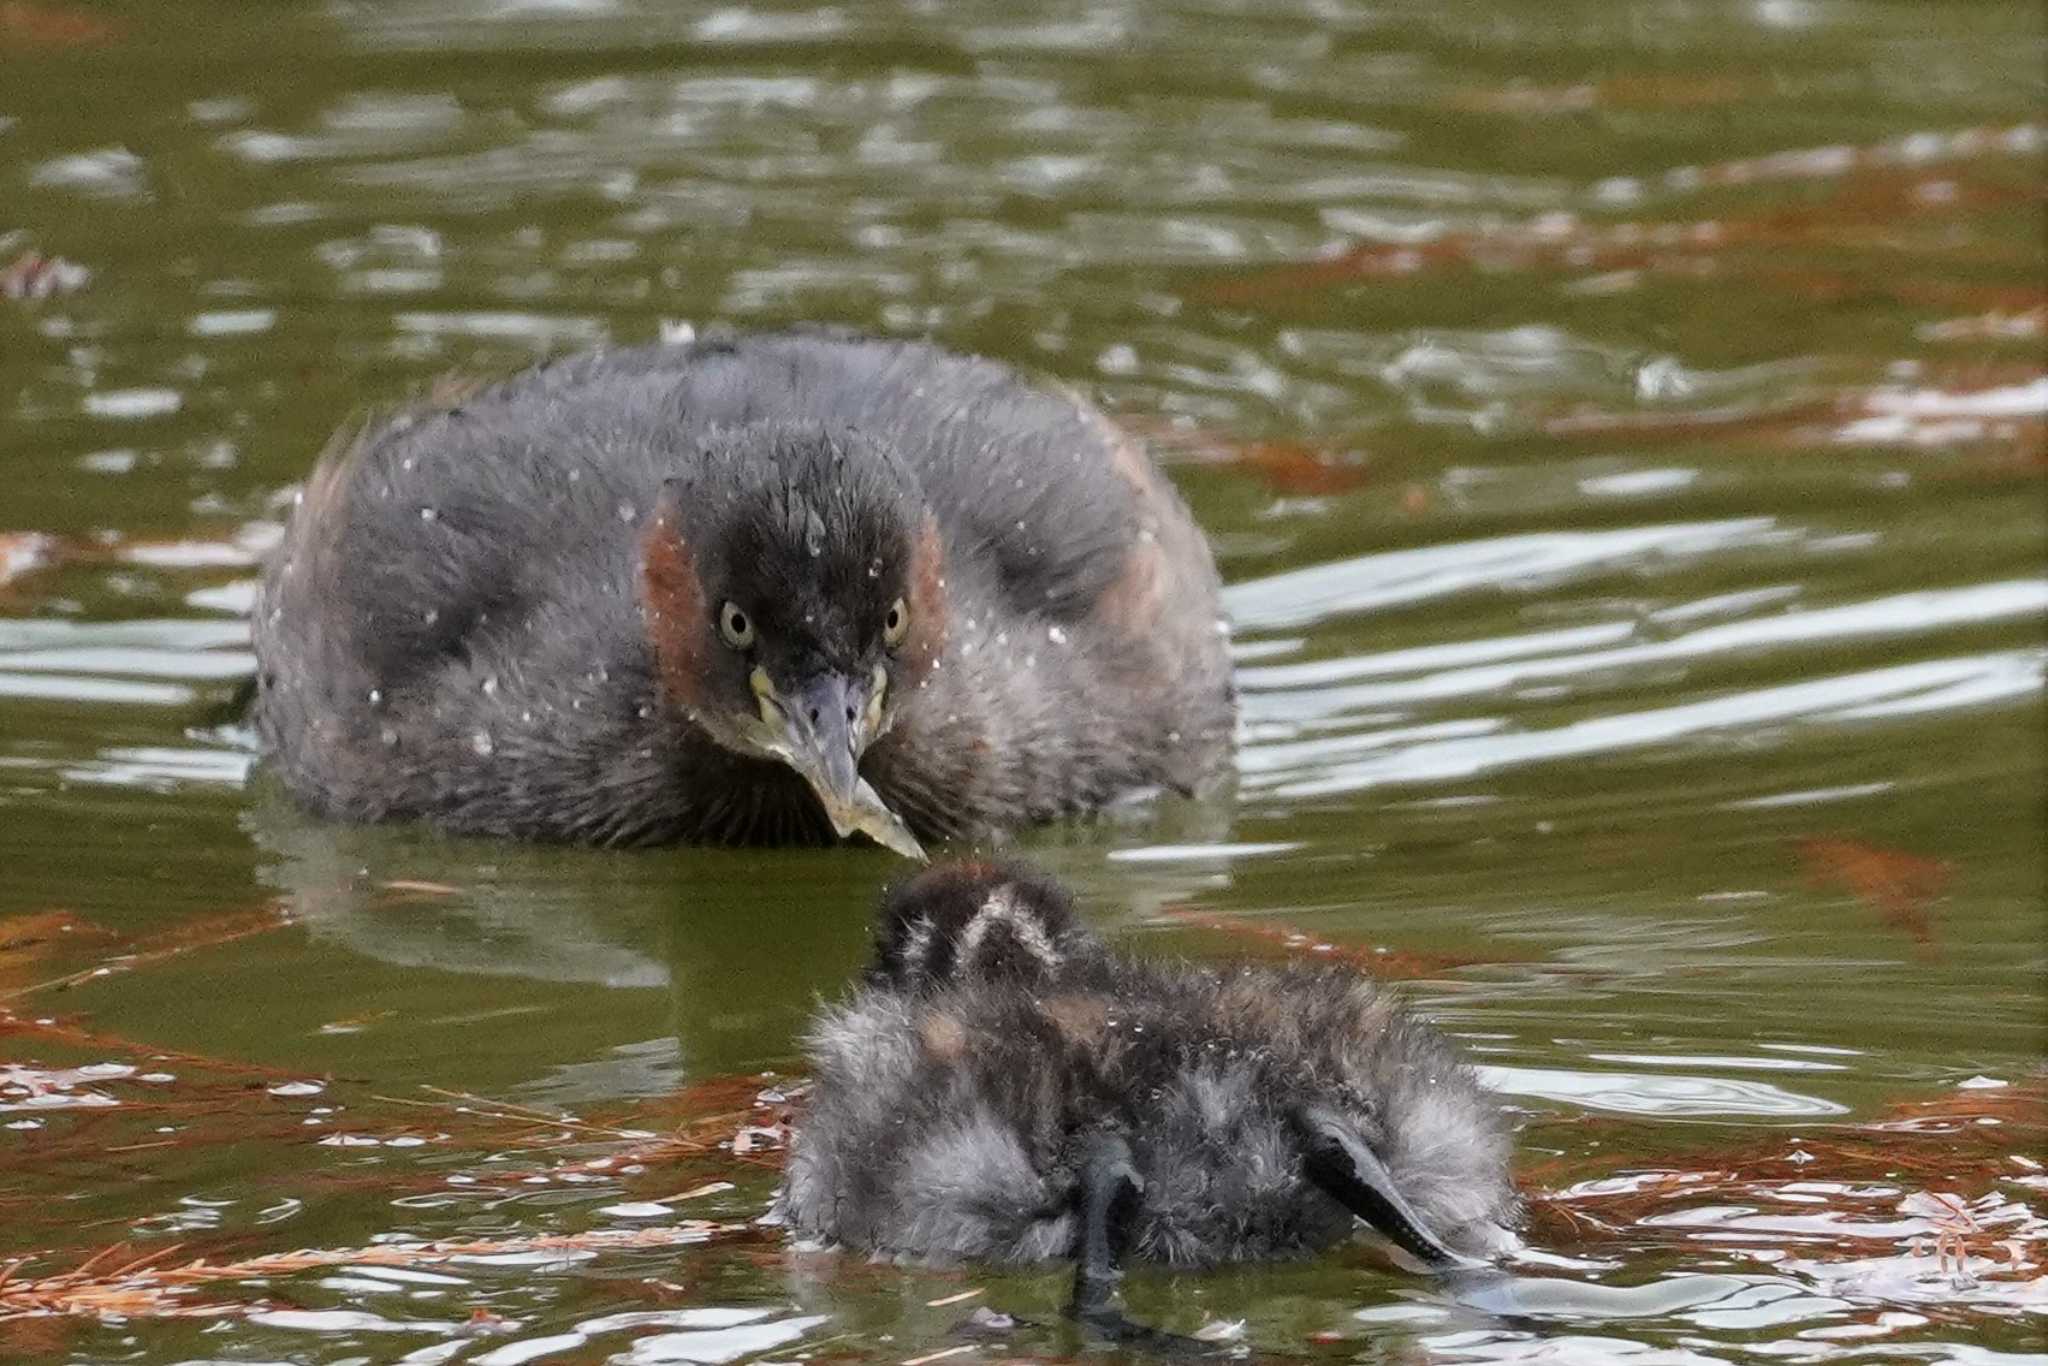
<point x="764" y="590"/>
<point x="622" y="976"/>
<point x="1004" y="1088"/>
<point x="653" y="962"/>
<point x="538" y="915"/>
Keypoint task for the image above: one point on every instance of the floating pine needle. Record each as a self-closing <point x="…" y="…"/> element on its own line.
<point x="695" y="1193"/>
<point x="941" y="1355"/>
<point x="727" y="1139"/>
<point x="27" y="941"/>
<point x="200" y="934"/>
<point x="136" y="1289"/>
<point x="57" y="1029"/>
<point x="465" y="1102"/>
<point x="1927" y="1158"/>
<point x="412" y="888"/>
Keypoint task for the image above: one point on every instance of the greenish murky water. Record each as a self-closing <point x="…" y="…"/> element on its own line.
<point x="1623" y="430"/>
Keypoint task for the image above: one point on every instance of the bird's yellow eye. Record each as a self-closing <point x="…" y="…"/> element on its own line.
<point x="734" y="626"/>
<point x="895" y="624"/>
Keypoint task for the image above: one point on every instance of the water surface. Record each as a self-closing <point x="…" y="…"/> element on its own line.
<point x="1621" y="427"/>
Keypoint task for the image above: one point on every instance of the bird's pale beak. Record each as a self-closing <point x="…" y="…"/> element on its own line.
<point x="827" y="724"/>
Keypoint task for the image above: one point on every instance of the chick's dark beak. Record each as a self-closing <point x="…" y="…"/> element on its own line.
<point x="828" y="729"/>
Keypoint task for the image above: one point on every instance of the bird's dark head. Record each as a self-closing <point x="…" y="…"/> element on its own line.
<point x="965" y="920"/>
<point x="793" y="585"/>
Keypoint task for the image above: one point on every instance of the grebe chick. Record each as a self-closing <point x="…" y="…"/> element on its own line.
<point x="1005" y="1088"/>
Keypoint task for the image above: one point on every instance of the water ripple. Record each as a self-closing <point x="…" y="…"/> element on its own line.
<point x="1493" y="667"/>
<point x="1642" y="1093"/>
<point x="1929" y="685"/>
<point x="1301" y="597"/>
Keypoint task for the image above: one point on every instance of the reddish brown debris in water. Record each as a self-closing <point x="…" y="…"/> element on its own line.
<point x="2000" y="418"/>
<point x="27" y="942"/>
<point x="723" y="1126"/>
<point x="204" y="933"/>
<point x="487" y="1323"/>
<point x="1902" y="888"/>
<point x="66" y="1032"/>
<point x="1882" y="188"/>
<point x="1287" y="467"/>
<point x="1380" y="962"/>
<point x="694" y="1143"/>
<point x="103" y="1284"/>
<point x="26" y="25"/>
<point x="208" y="551"/>
<point x="1297" y="468"/>
<point x="1945" y="1150"/>
<point x="33" y="275"/>
<point x="47" y="1338"/>
<point x="24" y="551"/>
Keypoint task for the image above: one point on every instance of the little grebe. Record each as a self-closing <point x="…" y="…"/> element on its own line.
<point x="760" y="589"/>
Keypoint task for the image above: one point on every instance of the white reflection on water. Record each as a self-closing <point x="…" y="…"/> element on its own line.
<point x="1812" y="796"/>
<point x="144" y="663"/>
<point x="1563" y="1349"/>
<point x="561" y="331"/>
<point x="161" y="767"/>
<point x="35" y="633"/>
<point x="346" y="1321"/>
<point x="709" y="1335"/>
<point x="1720" y="1060"/>
<point x="133" y="403"/>
<point x="97" y="662"/>
<point x="1563" y="654"/>
<point x="1454" y="654"/>
<point x="1642" y="1093"/>
<point x="1301" y="596"/>
<point x="71" y="688"/>
<point x="236" y="599"/>
<point x="1199" y="853"/>
<point x="718" y="1345"/>
<point x="1931" y="684"/>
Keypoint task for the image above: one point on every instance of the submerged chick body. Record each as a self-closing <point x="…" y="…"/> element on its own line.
<point x="1005" y="1088"/>
<point x="769" y="589"/>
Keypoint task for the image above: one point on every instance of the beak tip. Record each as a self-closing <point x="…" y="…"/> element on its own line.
<point x="904" y="844"/>
<point x="865" y="814"/>
<point x="826" y="752"/>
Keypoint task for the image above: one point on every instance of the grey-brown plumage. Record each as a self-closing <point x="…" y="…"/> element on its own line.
<point x="1005" y="1088"/>
<point x="750" y="590"/>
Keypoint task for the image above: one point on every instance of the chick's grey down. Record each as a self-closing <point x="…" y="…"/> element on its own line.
<point x="732" y="590"/>
<point x="965" y="1097"/>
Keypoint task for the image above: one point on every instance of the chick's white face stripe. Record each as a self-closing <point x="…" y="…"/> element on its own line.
<point x="917" y="944"/>
<point x="1001" y="908"/>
